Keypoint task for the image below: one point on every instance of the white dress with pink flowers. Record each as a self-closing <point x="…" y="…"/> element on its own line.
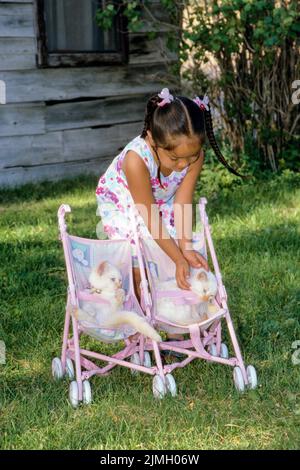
<point x="114" y="198"/>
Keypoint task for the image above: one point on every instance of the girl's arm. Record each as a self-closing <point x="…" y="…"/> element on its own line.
<point x="183" y="203"/>
<point x="138" y="180"/>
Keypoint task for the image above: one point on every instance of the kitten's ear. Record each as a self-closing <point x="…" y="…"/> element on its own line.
<point x="101" y="268"/>
<point x="202" y="276"/>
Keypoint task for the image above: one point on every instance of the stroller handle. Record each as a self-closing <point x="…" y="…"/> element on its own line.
<point x="62" y="211"/>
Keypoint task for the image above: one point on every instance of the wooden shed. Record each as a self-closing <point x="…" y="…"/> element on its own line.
<point x="71" y="95"/>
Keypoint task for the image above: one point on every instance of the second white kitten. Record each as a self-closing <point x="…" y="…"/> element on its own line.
<point x="204" y="285"/>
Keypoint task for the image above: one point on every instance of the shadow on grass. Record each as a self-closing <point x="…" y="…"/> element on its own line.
<point x="49" y="190"/>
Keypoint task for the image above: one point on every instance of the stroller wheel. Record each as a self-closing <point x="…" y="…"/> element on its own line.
<point x="135" y="359"/>
<point x="158" y="387"/>
<point x="224" y="351"/>
<point x="57" y="370"/>
<point x="74" y="394"/>
<point x="171" y="385"/>
<point x="252" y="377"/>
<point x="86" y="392"/>
<point x="238" y="379"/>
<point x="69" y="372"/>
<point x="212" y="350"/>
<point x="147" y="359"/>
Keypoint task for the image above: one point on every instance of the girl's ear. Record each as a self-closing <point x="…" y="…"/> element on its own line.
<point x="101" y="268"/>
<point x="149" y="135"/>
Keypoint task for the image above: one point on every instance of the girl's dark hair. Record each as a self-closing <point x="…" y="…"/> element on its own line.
<point x="180" y="117"/>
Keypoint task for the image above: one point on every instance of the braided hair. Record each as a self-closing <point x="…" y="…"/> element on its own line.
<point x="180" y="117"/>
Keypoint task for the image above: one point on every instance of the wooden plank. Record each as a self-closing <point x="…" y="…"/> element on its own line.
<point x="83" y="59"/>
<point x="15" y="8"/>
<point x="17" y="46"/>
<point x="65" y="146"/>
<point x="16" y="20"/>
<point x="149" y="51"/>
<point x="95" y="113"/>
<point x="55" y="168"/>
<point x="91" y="143"/>
<point x="22" y="119"/>
<point x="17" y="62"/>
<point x="27" y="150"/>
<point x="20" y="176"/>
<point x="17" y="53"/>
<point x="67" y="84"/>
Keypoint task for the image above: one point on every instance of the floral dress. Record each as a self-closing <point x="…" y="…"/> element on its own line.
<point x="115" y="201"/>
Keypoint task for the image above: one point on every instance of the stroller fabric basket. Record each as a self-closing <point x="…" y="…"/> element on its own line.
<point x="86" y="254"/>
<point x="160" y="268"/>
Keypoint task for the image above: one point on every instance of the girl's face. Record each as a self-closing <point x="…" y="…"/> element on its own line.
<point x="186" y="150"/>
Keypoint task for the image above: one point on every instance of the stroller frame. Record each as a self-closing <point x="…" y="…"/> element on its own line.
<point x="205" y="338"/>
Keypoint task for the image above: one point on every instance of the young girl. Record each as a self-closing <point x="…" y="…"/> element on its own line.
<point x="158" y="171"/>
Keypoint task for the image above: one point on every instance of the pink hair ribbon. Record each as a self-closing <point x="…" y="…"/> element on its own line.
<point x="202" y="103"/>
<point x="166" y="97"/>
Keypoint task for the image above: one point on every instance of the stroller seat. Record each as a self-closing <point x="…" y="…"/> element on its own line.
<point x="160" y="268"/>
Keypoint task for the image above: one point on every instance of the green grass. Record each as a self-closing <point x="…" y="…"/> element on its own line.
<point x="256" y="236"/>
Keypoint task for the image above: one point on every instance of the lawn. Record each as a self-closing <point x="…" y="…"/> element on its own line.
<point x="256" y="236"/>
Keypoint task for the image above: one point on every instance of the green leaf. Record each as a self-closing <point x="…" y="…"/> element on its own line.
<point x="271" y="41"/>
<point x="216" y="46"/>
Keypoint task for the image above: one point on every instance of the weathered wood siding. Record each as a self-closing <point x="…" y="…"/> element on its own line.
<point x="62" y="122"/>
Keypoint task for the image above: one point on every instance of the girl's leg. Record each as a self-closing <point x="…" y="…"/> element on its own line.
<point x="137" y="290"/>
<point x="136" y="282"/>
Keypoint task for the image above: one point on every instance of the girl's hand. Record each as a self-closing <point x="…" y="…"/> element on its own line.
<point x="195" y="259"/>
<point x="182" y="273"/>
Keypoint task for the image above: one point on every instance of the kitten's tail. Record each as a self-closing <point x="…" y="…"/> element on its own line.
<point x="137" y="321"/>
<point x="122" y="317"/>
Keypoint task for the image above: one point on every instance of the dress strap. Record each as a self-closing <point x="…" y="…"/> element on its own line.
<point x="140" y="146"/>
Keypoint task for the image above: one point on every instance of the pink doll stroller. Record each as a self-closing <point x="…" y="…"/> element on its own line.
<point x="205" y="338"/>
<point x="81" y="255"/>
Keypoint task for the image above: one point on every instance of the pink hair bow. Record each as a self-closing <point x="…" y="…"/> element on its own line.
<point x="166" y="97"/>
<point x="202" y="103"/>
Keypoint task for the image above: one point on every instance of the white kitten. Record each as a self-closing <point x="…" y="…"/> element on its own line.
<point x="204" y="285"/>
<point x="106" y="281"/>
